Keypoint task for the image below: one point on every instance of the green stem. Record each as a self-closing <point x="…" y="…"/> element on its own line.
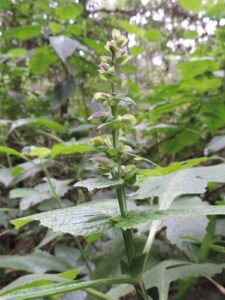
<point x="98" y="294"/>
<point x="54" y="193"/>
<point x="127" y="234"/>
<point x="85" y="259"/>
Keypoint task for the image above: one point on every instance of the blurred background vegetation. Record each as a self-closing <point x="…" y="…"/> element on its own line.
<point x="49" y="56"/>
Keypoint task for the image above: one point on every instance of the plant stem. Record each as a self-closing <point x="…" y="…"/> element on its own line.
<point x="127" y="234"/>
<point x="54" y="193"/>
<point x="98" y="294"/>
<point x="85" y="259"/>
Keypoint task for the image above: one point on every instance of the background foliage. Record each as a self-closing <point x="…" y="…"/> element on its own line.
<point x="49" y="54"/>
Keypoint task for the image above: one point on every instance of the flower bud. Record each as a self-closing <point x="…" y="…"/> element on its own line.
<point x="112" y="47"/>
<point x="122" y="76"/>
<point x="98" y="97"/>
<point x="97" y="141"/>
<point x="104" y="67"/>
<point x="102" y="161"/>
<point x="129" y="119"/>
<point x="107" y="59"/>
<point x="102" y="115"/>
<point x="120" y="39"/>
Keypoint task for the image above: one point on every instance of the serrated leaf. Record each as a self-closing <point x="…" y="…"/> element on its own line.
<point x="69" y="148"/>
<point x="189" y="181"/>
<point x="98" y="183"/>
<point x="193" y="5"/>
<point x="84" y="219"/>
<point x="141" y="218"/>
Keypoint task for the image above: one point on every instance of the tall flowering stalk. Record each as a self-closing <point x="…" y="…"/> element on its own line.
<point x="111" y="164"/>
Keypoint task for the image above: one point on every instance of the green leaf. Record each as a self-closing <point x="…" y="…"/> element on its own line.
<point x="173" y="167"/>
<point x="22" y="171"/>
<point x="178" y="227"/>
<point x="11" y="151"/>
<point x="34" y="263"/>
<point x="193" y="5"/>
<point x="69" y="148"/>
<point x="65" y="13"/>
<point x="55" y="27"/>
<point x="5" y="4"/>
<point x="130" y="28"/>
<point x="23" y="33"/>
<point x="65" y="46"/>
<point x="36" y="279"/>
<point x="166" y="272"/>
<point x="153" y="35"/>
<point x="98" y="183"/>
<point x="23" y="192"/>
<point x="191" y="69"/>
<point x="40" y="152"/>
<point x="190" y="34"/>
<point x="189" y="181"/>
<point x="59" y="288"/>
<point x="84" y="219"/>
<point x="62" y="92"/>
<point x="51" y="124"/>
<point x="136" y="50"/>
<point x="41" y="60"/>
<point x="136" y="219"/>
<point x="122" y="60"/>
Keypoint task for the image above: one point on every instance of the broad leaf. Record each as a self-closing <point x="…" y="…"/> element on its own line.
<point x="192" y="227"/>
<point x="84" y="219"/>
<point x="23" y="33"/>
<point x="62" y="92"/>
<point x="135" y="219"/>
<point x="65" y="13"/>
<point x="69" y="148"/>
<point x="65" y="46"/>
<point x="189" y="181"/>
<point x="166" y="272"/>
<point x="23" y="192"/>
<point x="216" y="144"/>
<point x="194" y="5"/>
<point x="153" y="35"/>
<point x="34" y="263"/>
<point x="22" y="171"/>
<point x="191" y="69"/>
<point x="98" y="183"/>
<point x="169" y="187"/>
